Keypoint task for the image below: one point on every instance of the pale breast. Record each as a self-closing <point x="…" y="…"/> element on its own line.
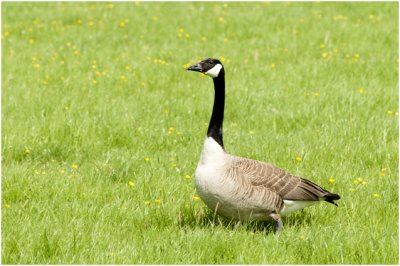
<point x="211" y="183"/>
<point x="221" y="191"/>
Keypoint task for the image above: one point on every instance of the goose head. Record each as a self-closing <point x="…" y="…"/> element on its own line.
<point x="210" y="66"/>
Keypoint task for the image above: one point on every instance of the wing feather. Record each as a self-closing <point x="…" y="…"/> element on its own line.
<point x="288" y="186"/>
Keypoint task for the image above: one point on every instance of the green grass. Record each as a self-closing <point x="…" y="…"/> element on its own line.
<point x="95" y="95"/>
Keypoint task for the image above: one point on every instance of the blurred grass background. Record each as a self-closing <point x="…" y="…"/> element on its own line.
<point x="102" y="129"/>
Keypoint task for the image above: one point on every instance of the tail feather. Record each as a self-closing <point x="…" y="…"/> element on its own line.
<point x="331" y="197"/>
<point x="307" y="190"/>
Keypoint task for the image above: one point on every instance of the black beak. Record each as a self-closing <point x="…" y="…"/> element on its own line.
<point x="196" y="67"/>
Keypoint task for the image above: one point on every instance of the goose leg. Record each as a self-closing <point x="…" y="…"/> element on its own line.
<point x="278" y="222"/>
<point x="237" y="225"/>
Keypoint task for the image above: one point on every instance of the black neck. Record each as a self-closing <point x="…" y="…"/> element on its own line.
<point x="217" y="117"/>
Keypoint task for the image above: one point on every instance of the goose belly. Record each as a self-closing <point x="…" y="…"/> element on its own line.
<point x="216" y="191"/>
<point x="290" y="206"/>
<point x="220" y="194"/>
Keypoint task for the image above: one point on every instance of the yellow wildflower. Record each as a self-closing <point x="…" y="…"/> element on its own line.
<point x="27" y="151"/>
<point x="131" y="184"/>
<point x="188" y="177"/>
<point x="316" y="94"/>
<point x="122" y="77"/>
<point x="146" y="159"/>
<point x="74" y="166"/>
<point x="376" y="195"/>
<point x="359" y="181"/>
<point x="331" y="180"/>
<point x="322" y="45"/>
<point x="382" y="172"/>
<point x="389" y="112"/>
<point x="273" y="65"/>
<point x="298" y="158"/>
<point x="339" y="17"/>
<point x="361" y="90"/>
<point x="157" y="201"/>
<point x="7" y="206"/>
<point x="196" y="198"/>
<point x="147" y="202"/>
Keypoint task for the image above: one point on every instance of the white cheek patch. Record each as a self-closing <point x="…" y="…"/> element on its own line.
<point x="214" y="72"/>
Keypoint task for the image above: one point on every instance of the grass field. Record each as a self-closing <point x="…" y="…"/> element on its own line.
<point x="102" y="129"/>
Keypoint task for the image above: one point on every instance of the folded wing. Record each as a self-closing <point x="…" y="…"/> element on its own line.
<point x="288" y="186"/>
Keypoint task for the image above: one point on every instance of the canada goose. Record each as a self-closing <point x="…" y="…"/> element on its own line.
<point x="246" y="189"/>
